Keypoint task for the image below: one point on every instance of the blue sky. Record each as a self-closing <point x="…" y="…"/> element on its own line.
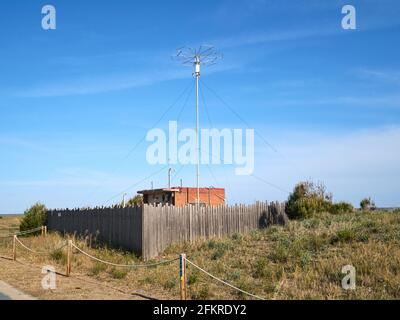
<point x="75" y="100"/>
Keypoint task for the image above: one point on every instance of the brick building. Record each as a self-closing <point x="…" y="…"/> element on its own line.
<point x="180" y="196"/>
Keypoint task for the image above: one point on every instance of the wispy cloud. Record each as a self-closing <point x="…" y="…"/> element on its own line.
<point x="258" y="37"/>
<point x="387" y="76"/>
<point x="71" y="177"/>
<point x="108" y="83"/>
<point x="20" y="143"/>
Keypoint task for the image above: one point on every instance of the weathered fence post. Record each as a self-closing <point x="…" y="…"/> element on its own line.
<point x="45" y="231"/>
<point x="69" y="257"/>
<point x="14" y="253"/>
<point x="182" y="275"/>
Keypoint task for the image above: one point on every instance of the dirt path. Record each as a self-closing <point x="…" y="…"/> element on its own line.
<point x="28" y="278"/>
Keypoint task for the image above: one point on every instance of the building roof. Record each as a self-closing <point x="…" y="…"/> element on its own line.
<point x="158" y="190"/>
<point x="174" y="189"/>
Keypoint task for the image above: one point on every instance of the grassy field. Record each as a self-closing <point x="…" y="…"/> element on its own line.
<point x="9" y="224"/>
<point x="302" y="260"/>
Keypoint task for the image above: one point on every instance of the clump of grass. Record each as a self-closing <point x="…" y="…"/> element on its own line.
<point x="59" y="256"/>
<point x="219" y="248"/>
<point x="211" y="244"/>
<point x="117" y="273"/>
<point x="193" y="277"/>
<point x="200" y="293"/>
<point x="149" y="280"/>
<point x="311" y="223"/>
<point x="305" y="259"/>
<point x="218" y="253"/>
<point x="97" y="268"/>
<point x="260" y="268"/>
<point x="237" y="237"/>
<point x="280" y="254"/>
<point x="235" y="275"/>
<point x="344" y="235"/>
<point x="170" y="283"/>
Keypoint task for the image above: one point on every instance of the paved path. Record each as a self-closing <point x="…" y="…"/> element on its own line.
<point x="4" y="297"/>
<point x="8" y="292"/>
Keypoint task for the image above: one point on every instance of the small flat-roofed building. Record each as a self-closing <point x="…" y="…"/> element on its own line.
<point x="181" y="196"/>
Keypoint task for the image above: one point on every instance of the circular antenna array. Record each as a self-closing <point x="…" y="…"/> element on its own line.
<point x="204" y="55"/>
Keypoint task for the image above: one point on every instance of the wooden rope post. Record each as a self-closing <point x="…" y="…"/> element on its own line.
<point x="42" y="231"/>
<point x="69" y="257"/>
<point x="14" y="253"/>
<point x="45" y="231"/>
<point x="182" y="275"/>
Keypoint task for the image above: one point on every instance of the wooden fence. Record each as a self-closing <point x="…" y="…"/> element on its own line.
<point x="117" y="227"/>
<point x="148" y="230"/>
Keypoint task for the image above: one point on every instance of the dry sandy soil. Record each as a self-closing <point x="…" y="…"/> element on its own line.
<point x="27" y="278"/>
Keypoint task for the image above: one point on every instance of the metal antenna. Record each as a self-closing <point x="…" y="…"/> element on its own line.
<point x="170" y="170"/>
<point x="204" y="55"/>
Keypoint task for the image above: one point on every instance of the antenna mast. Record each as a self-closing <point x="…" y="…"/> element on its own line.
<point x="204" y="55"/>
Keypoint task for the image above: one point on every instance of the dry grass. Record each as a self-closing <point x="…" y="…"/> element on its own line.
<point x="9" y="224"/>
<point x="300" y="261"/>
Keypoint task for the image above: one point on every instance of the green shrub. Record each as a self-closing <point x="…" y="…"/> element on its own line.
<point x="280" y="254"/>
<point x="211" y="244"/>
<point x="308" y="199"/>
<point x="341" y="207"/>
<point x="201" y="293"/>
<point x="234" y="275"/>
<point x="311" y="223"/>
<point x="218" y="253"/>
<point x="135" y="201"/>
<point x="97" y="268"/>
<point x="305" y="259"/>
<point x="237" y="237"/>
<point x="170" y="283"/>
<point x="367" y="204"/>
<point x="344" y="235"/>
<point x="34" y="217"/>
<point x="261" y="269"/>
<point x="193" y="277"/>
<point x="118" y="273"/>
<point x="59" y="256"/>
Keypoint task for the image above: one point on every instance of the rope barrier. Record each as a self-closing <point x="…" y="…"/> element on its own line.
<point x="124" y="265"/>
<point x="223" y="282"/>
<point x="40" y="252"/>
<point x="22" y="233"/>
<point x="72" y="245"/>
<point x="29" y="249"/>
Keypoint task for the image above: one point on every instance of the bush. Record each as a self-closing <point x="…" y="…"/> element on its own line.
<point x="118" y="273"/>
<point x="201" y="293"/>
<point x="59" y="256"/>
<point x="345" y="235"/>
<point x="135" y="201"/>
<point x="170" y="283"/>
<point x="367" y="204"/>
<point x="97" y="268"/>
<point x="341" y="207"/>
<point x="307" y="199"/>
<point x="34" y="217"/>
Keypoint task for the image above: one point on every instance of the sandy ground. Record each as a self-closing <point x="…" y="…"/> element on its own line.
<point x="28" y="278"/>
